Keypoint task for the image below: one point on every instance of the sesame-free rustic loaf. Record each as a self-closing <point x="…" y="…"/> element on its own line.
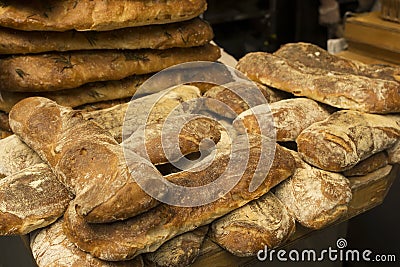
<point x="341" y="90"/>
<point x="313" y="56"/>
<point x="31" y="199"/>
<point x="247" y="230"/>
<point x="290" y="116"/>
<point x="345" y="138"/>
<point x="368" y="165"/>
<point x="315" y="197"/>
<point x="148" y="231"/>
<point x="190" y="33"/>
<point x="85" y="158"/>
<point x="394" y="154"/>
<point x="85" y="94"/>
<point x="180" y="251"/>
<point x="51" y="248"/>
<point x="65" y="70"/>
<point x="97" y="15"/>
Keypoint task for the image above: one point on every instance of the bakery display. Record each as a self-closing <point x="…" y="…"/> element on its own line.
<point x="96" y="141"/>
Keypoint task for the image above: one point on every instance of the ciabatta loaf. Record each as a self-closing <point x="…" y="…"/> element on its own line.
<point x="31" y="199"/>
<point x="95" y="15"/>
<point x="262" y="222"/>
<point x="341" y="90"/>
<point x="315" y="197"/>
<point x="85" y="158"/>
<point x="57" y="71"/>
<point x="345" y="138"/>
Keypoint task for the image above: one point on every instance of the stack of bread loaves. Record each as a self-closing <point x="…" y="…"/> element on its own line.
<point x="68" y="184"/>
<point x="79" y="52"/>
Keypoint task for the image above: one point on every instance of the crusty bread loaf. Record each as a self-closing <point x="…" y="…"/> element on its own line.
<point x="346" y="91"/>
<point x="85" y="158"/>
<point x="31" y="199"/>
<point x="95" y="15"/>
<point x="314" y="197"/>
<point x="51" y="248"/>
<point x="313" y="56"/>
<point x="190" y="33"/>
<point x="15" y="155"/>
<point x="373" y="163"/>
<point x="148" y="231"/>
<point x="394" y="154"/>
<point x="231" y="99"/>
<point x="181" y="251"/>
<point x="87" y="93"/>
<point x="262" y="222"/>
<point x="56" y="71"/>
<point x="290" y="116"/>
<point x="345" y="138"/>
<point x="161" y="142"/>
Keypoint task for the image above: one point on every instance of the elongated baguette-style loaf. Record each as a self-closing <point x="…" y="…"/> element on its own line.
<point x="314" y="197"/>
<point x="51" y="248"/>
<point x="345" y="138"/>
<point x="190" y="33"/>
<point x="262" y="222"/>
<point x="341" y="90"/>
<point x="147" y="232"/>
<point x="178" y="252"/>
<point x="95" y="15"/>
<point x="31" y="199"/>
<point x="313" y="56"/>
<point x="85" y="158"/>
<point x="291" y="117"/>
<point x="57" y="71"/>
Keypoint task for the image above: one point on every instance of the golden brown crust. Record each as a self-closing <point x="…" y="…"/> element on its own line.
<point x="291" y="117"/>
<point x="314" y="197"/>
<point x="345" y="138"/>
<point x="373" y="163"/>
<point x="95" y="15"/>
<point x="51" y="248"/>
<point x="190" y="33"/>
<point x="85" y="158"/>
<point x="394" y="154"/>
<point x="313" y="56"/>
<point x="180" y="251"/>
<point x="347" y="91"/>
<point x="262" y="222"/>
<point x="86" y="94"/>
<point x="57" y="71"/>
<point x="31" y="199"/>
<point x="145" y="233"/>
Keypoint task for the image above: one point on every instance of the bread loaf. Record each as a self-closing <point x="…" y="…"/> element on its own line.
<point x="345" y="138"/>
<point x="229" y="100"/>
<point x="346" y="91"/>
<point x="262" y="222"/>
<point x="180" y="251"/>
<point x="373" y="163"/>
<point x="85" y="158"/>
<point x="95" y="15"/>
<point x="87" y="93"/>
<point x="56" y="71"/>
<point x="148" y="231"/>
<point x="190" y="33"/>
<point x="51" y="248"/>
<point x="314" y="197"/>
<point x="31" y="199"/>
<point x="290" y="116"/>
<point x="394" y="154"/>
<point x="313" y="56"/>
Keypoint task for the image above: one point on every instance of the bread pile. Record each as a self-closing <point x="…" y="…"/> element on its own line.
<point x="86" y="52"/>
<point x="69" y="180"/>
